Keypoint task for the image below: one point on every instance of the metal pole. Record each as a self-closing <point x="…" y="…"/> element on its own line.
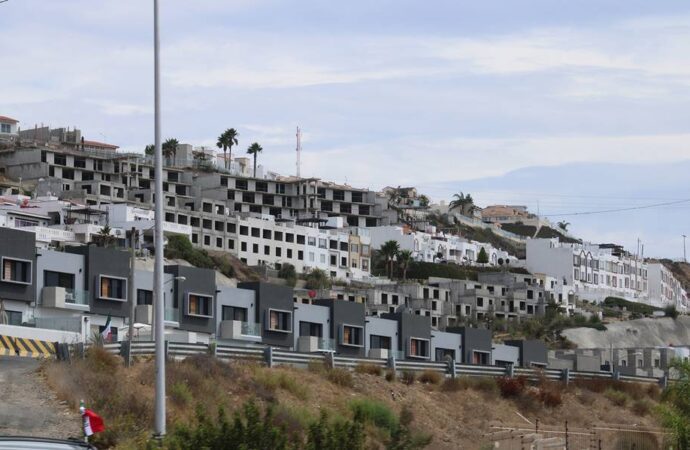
<point x="158" y="237"/>
<point x="685" y="258"/>
<point x="132" y="300"/>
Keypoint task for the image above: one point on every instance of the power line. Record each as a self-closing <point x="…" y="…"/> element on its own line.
<point x="584" y="213"/>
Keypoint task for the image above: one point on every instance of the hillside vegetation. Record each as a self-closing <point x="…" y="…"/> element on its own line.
<point x="315" y="408"/>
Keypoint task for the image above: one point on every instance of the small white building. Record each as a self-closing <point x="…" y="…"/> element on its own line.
<point x="8" y="129"/>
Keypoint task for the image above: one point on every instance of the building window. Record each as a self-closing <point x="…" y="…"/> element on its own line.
<point x="279" y="320"/>
<point x="278" y="236"/>
<point x="231" y="244"/>
<point x="352" y="336"/>
<point x="112" y="288"/>
<point x="241" y="185"/>
<point x="16" y="271"/>
<point x="267" y="234"/>
<point x="311" y="240"/>
<point x="300" y="255"/>
<point x="58" y="279"/>
<point x="384" y="298"/>
<point x="310" y="329"/>
<point x="289" y="237"/>
<point x="267" y="249"/>
<point x="255" y="248"/>
<point x="256" y="232"/>
<point x="144" y="297"/>
<point x="279" y="251"/>
<point x="235" y="313"/>
<point x="199" y="305"/>
<point x="382" y="342"/>
<point x="419" y="348"/>
<point x="289" y="253"/>
<point x="244" y="231"/>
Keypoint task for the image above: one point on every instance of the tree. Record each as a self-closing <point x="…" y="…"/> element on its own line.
<point x="463" y="202"/>
<point x="675" y="409"/>
<point x="482" y="257"/>
<point x="150" y="150"/>
<point x="424" y="201"/>
<point x="405" y="258"/>
<point x="170" y="148"/>
<point x="563" y="225"/>
<point x="254" y="149"/>
<point x="317" y="279"/>
<point x="288" y="273"/>
<point x="104" y="238"/>
<point x="225" y="141"/>
<point x="389" y="251"/>
<point x="199" y="156"/>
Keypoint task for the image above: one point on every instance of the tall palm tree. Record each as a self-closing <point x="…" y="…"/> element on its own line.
<point x="169" y="148"/>
<point x="149" y="150"/>
<point x="405" y="258"/>
<point x="389" y="251"/>
<point x="225" y="141"/>
<point x="463" y="202"/>
<point x="254" y="149"/>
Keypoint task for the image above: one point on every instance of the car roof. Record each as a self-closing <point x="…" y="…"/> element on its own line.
<point x="39" y="443"/>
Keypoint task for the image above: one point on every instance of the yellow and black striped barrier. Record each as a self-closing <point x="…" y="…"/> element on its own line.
<point x="31" y="348"/>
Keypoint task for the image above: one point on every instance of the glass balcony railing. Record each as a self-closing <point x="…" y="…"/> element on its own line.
<point x="251" y="329"/>
<point x="77" y="297"/>
<point x="326" y="344"/>
<point x="172" y="315"/>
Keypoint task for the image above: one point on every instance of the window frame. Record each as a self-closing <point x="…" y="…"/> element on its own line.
<point x="112" y="277"/>
<point x="200" y="295"/>
<point x="268" y="320"/>
<point x="30" y="272"/>
<point x="428" y="347"/>
<point x="342" y="335"/>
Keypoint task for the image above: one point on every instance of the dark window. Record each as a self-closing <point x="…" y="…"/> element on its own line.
<point x="289" y="237"/>
<point x="244" y="231"/>
<point x="58" y="279"/>
<point x="60" y="160"/>
<point x="256" y="232"/>
<point x="241" y="185"/>
<point x="144" y="297"/>
<point x="261" y="186"/>
<point x="300" y="255"/>
<point x="231" y="244"/>
<point x="289" y="253"/>
<point x="112" y="288"/>
<point x="344" y="247"/>
<point x="248" y="197"/>
<point x="383" y="342"/>
<point x="442" y="354"/>
<point x="14" y="317"/>
<point x="339" y="195"/>
<point x="199" y="305"/>
<point x="235" y="313"/>
<point x="243" y="246"/>
<point x="279" y="321"/>
<point x="419" y="348"/>
<point x="267" y="249"/>
<point x="16" y="271"/>
<point x="326" y="206"/>
<point x="310" y="329"/>
<point x="80" y="163"/>
<point x="267" y="234"/>
<point x="232" y="228"/>
<point x="255" y="248"/>
<point x="300" y="239"/>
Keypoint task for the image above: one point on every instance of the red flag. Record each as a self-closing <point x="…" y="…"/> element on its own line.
<point x="93" y="423"/>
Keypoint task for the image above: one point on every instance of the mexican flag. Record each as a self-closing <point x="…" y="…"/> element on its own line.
<point x="93" y="423"/>
<point x="107" y="333"/>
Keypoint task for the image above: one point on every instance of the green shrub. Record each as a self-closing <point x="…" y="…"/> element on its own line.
<point x="180" y="393"/>
<point x="340" y="377"/>
<point x="371" y="369"/>
<point x="618" y="398"/>
<point x="375" y="412"/>
<point x="288" y="273"/>
<point x="272" y="379"/>
<point x="408" y="377"/>
<point x="430" y="377"/>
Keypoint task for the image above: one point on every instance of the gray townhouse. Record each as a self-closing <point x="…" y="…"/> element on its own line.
<point x="18" y="277"/>
<point x="313" y="331"/>
<point x="274" y="312"/>
<point x="381" y="338"/>
<point x="532" y="353"/>
<point x="194" y="298"/>
<point x="414" y="335"/>
<point x="476" y="345"/>
<point x="236" y="313"/>
<point x="347" y="321"/>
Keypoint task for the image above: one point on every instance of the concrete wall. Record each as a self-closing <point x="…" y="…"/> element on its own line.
<point x="380" y="327"/>
<point x="20" y="245"/>
<point x="313" y="314"/>
<point x="502" y="355"/>
<point x="533" y="352"/>
<point x="474" y="340"/>
<point x="41" y="334"/>
<point x="448" y="342"/>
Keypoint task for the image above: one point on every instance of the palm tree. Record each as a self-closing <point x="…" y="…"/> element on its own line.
<point x="149" y="150"/>
<point x="405" y="258"/>
<point x="464" y="202"/>
<point x="254" y="149"/>
<point x="389" y="251"/>
<point x="104" y="238"/>
<point x="225" y="141"/>
<point x="563" y="225"/>
<point x="170" y="148"/>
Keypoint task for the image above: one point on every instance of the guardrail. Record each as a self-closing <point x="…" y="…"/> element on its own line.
<point x="273" y="356"/>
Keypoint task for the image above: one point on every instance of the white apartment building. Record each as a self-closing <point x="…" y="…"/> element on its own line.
<point x="592" y="272"/>
<point x="432" y="246"/>
<point x="8" y="129"/>
<point x="342" y="253"/>
<point x="664" y="289"/>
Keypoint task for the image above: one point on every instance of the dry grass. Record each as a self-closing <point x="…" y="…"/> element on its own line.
<point x="408" y="377"/>
<point x="457" y="412"/>
<point x="430" y="377"/>
<point x="371" y="369"/>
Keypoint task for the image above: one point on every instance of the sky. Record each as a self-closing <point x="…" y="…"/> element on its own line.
<point x="558" y="105"/>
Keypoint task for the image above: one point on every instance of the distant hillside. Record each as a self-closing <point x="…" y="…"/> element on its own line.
<point x="530" y="230"/>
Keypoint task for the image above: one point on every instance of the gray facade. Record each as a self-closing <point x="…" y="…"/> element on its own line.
<point x="105" y="265"/>
<point x="505" y="355"/>
<point x="274" y="311"/>
<point x="312" y="321"/>
<point x="18" y="259"/>
<point x="533" y="352"/>
<point x="446" y="345"/>
<point x="381" y="337"/>
<point x="191" y="297"/>
<point x="414" y="335"/>
<point x="347" y="326"/>
<point x="476" y="345"/>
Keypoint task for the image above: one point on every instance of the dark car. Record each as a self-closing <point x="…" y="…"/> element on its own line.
<point x="34" y="443"/>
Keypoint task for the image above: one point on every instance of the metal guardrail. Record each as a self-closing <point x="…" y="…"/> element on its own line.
<point x="274" y="356"/>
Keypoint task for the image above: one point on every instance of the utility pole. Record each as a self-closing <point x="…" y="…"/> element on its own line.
<point x="131" y="294"/>
<point x="299" y="150"/>
<point x="685" y="258"/>
<point x="159" y="300"/>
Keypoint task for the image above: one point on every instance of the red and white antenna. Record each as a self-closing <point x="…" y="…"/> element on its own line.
<point x="299" y="148"/>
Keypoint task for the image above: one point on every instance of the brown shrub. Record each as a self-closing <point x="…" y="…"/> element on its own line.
<point x="430" y="377"/>
<point x="529" y="401"/>
<point x="340" y="377"/>
<point x="618" y="398"/>
<point x="390" y="375"/>
<point x="551" y="398"/>
<point x="371" y="369"/>
<point x="316" y="366"/>
<point x="654" y="391"/>
<point x="641" y="407"/>
<point x="408" y="377"/>
<point x="454" y="384"/>
<point x="511" y="387"/>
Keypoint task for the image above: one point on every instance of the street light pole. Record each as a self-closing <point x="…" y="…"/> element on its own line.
<point x="685" y="258"/>
<point x="158" y="237"/>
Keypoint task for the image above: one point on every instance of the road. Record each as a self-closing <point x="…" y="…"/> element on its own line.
<point x="28" y="407"/>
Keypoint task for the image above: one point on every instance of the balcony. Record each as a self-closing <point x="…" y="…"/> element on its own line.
<point x="312" y="344"/>
<point x="238" y="330"/>
<point x="64" y="298"/>
<point x="172" y="317"/>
